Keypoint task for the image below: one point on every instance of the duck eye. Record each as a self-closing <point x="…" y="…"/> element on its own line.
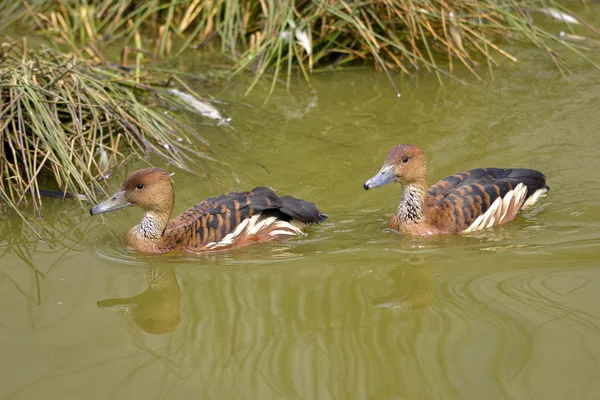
<point x="405" y="160"/>
<point x="140" y="186"/>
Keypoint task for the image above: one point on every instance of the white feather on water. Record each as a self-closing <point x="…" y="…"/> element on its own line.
<point x="203" y="107"/>
<point x="559" y="15"/>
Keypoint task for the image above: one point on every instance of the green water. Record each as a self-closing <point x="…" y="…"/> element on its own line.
<point x="352" y="311"/>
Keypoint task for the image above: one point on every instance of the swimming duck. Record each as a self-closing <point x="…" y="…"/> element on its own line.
<point x="465" y="202"/>
<point x="217" y="223"/>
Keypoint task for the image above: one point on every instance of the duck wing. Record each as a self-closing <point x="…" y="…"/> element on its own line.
<point x="191" y="213"/>
<point x="483" y="197"/>
<point x="216" y="217"/>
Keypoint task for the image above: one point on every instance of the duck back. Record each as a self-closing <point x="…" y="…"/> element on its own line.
<point x="237" y="218"/>
<point x="483" y="197"/>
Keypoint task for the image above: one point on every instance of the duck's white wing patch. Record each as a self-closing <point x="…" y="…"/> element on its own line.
<point x="254" y="226"/>
<point x="283" y="232"/>
<point x="486" y="219"/>
<point x="534" y="198"/>
<point x="502" y="210"/>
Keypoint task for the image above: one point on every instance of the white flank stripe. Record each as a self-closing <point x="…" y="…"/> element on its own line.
<point x="506" y="200"/>
<point x="240" y="228"/>
<point x="282" y="232"/>
<point x="483" y="220"/>
<point x="534" y="198"/>
<point x="253" y="226"/>
<point x="498" y="213"/>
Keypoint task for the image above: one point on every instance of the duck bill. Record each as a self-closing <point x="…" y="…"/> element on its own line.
<point x="114" y="203"/>
<point x="383" y="177"/>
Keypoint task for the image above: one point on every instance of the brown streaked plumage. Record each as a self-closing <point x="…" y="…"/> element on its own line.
<point x="465" y="202"/>
<point x="217" y="223"/>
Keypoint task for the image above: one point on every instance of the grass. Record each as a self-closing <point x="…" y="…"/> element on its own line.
<point x="277" y="37"/>
<point x="70" y="120"/>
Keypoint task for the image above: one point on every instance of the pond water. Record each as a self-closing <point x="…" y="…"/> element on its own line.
<point x="352" y="311"/>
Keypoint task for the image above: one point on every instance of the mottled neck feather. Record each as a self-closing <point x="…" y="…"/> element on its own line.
<point x="148" y="234"/>
<point x="153" y="224"/>
<point x="410" y="209"/>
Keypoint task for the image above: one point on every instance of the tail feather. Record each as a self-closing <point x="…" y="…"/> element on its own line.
<point x="531" y="178"/>
<point x="301" y="210"/>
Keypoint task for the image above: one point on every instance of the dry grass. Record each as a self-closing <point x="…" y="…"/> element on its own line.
<point x="73" y="121"/>
<point x="275" y="36"/>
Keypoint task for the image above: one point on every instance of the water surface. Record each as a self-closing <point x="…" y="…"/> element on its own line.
<point x="352" y="311"/>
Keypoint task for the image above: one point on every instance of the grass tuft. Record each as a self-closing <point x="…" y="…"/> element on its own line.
<point x="69" y="123"/>
<point x="271" y="37"/>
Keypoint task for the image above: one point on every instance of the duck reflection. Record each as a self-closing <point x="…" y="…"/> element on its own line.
<point x="413" y="287"/>
<point x="157" y="309"/>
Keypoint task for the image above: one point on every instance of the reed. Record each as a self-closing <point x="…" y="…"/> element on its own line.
<point x="277" y="37"/>
<point x="69" y="123"/>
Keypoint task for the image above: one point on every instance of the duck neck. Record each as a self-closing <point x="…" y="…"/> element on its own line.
<point x="410" y="209"/>
<point x="148" y="234"/>
<point x="153" y="224"/>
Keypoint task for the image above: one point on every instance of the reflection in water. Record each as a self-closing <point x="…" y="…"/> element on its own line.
<point x="314" y="332"/>
<point x="537" y="326"/>
<point x="413" y="287"/>
<point x="317" y="332"/>
<point x="157" y="309"/>
<point x="28" y="257"/>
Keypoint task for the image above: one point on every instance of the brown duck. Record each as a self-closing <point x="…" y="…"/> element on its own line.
<point x="465" y="202"/>
<point x="217" y="223"/>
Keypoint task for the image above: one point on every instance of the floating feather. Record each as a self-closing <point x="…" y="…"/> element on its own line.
<point x="559" y="15"/>
<point x="203" y="107"/>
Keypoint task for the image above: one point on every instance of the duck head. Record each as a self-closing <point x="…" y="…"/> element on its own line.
<point x="404" y="163"/>
<point x="148" y="188"/>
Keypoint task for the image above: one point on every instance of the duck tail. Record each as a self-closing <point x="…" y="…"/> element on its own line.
<point x="301" y="210"/>
<point x="534" y="180"/>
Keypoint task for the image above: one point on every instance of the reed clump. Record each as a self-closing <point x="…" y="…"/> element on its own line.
<point x="276" y="36"/>
<point x="70" y="122"/>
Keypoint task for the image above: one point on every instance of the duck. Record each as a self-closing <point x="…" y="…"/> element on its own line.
<point x="228" y="221"/>
<point x="466" y="202"/>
